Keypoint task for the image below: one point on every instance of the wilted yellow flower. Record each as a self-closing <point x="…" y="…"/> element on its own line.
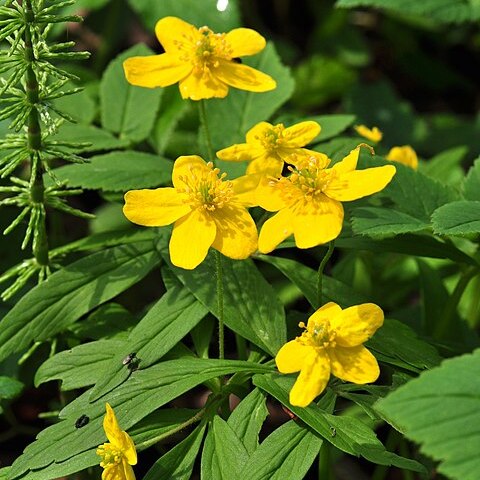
<point x="308" y="201"/>
<point x="331" y="343"/>
<point x="405" y="155"/>
<point x="268" y="146"/>
<point x="202" y="61"/>
<point x="119" y="454"/>
<point x="208" y="211"/>
<point x="373" y="134"/>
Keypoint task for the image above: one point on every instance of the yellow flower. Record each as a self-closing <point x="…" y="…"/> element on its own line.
<point x="268" y="146"/>
<point x="119" y="454"/>
<point x="308" y="201"/>
<point x="374" y="134"/>
<point x="202" y="61"/>
<point x="331" y="343"/>
<point x="405" y="155"/>
<point x="208" y="211"/>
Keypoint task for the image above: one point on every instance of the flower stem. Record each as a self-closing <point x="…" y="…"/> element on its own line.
<point x="221" y="328"/>
<point x="331" y="247"/>
<point x="34" y="136"/>
<point x="452" y="303"/>
<point x="206" y="131"/>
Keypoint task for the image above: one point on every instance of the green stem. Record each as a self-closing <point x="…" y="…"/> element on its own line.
<point x="221" y="327"/>
<point x="452" y="303"/>
<point x="206" y="131"/>
<point x="323" y="263"/>
<point x="34" y="136"/>
<point x="178" y="428"/>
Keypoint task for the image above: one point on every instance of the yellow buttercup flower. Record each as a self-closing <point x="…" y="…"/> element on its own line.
<point x="373" y="134"/>
<point x="208" y="211"/>
<point x="331" y="343"/>
<point x="405" y="155"/>
<point x="203" y="62"/>
<point x="119" y="454"/>
<point x="268" y="146"/>
<point x="308" y="201"/>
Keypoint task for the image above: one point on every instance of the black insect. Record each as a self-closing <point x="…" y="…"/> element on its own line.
<point x="131" y="361"/>
<point x="333" y="431"/>
<point x="237" y="60"/>
<point x="81" y="421"/>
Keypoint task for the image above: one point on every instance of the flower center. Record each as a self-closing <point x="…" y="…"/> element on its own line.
<point x="207" y="49"/>
<point x="271" y="138"/>
<point x="110" y="455"/>
<point x="206" y="189"/>
<point x="318" y="336"/>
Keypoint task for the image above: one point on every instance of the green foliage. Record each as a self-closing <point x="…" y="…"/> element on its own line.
<point x="439" y="411"/>
<point x="457" y="218"/>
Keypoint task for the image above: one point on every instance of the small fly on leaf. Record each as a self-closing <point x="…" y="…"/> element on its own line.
<point x="81" y="421"/>
<point x="131" y="361"/>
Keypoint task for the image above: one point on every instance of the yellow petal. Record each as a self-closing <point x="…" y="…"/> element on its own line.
<point x="317" y="221"/>
<point x="240" y="152"/>
<point x="300" y="134"/>
<point x="244" y="41"/>
<point x="312" y="380"/>
<point x="244" y="77"/>
<point x="355" y="325"/>
<point x="188" y="166"/>
<point x="297" y="156"/>
<point x="268" y="166"/>
<point x="374" y="134"/>
<point x="292" y="356"/>
<point x="155" y="70"/>
<point x="245" y="189"/>
<point x="237" y="236"/>
<point x="128" y="470"/>
<point x="359" y="183"/>
<point x="112" y="429"/>
<point x="198" y="86"/>
<point x="270" y="194"/>
<point x="275" y="230"/>
<point x="257" y="132"/>
<point x="191" y="238"/>
<point x="173" y="33"/>
<point x="155" y="208"/>
<point x="113" y="472"/>
<point x="349" y="163"/>
<point x="405" y="155"/>
<point x="354" y="364"/>
<point x="324" y="313"/>
<point x="129" y="450"/>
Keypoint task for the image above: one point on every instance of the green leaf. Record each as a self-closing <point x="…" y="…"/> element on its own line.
<point x="331" y="125"/>
<point x="288" y="452"/>
<point x="305" y="278"/>
<point x="382" y="222"/>
<point x="196" y="13"/>
<point x="351" y="435"/>
<point x="10" y="387"/>
<point x="126" y="110"/>
<point x="61" y="445"/>
<point x="397" y="344"/>
<point x="440" y="411"/>
<point x="245" y="109"/>
<point x="337" y="148"/>
<point x="471" y="184"/>
<point x="165" y="324"/>
<point x="79" y="367"/>
<point x="251" y="306"/>
<point x="96" y="139"/>
<point x="177" y="463"/>
<point x="247" y="419"/>
<point x="446" y="167"/>
<point x="172" y="109"/>
<point x="80" y="106"/>
<point x="118" y="172"/>
<point x="65" y="296"/>
<point x="223" y="455"/>
<point x="437" y="11"/>
<point x="457" y="218"/>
